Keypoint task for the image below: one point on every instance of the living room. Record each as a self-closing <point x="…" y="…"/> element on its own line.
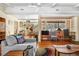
<point x="43" y="26"/>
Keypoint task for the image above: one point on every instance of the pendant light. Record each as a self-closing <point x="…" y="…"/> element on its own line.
<point x="59" y="29"/>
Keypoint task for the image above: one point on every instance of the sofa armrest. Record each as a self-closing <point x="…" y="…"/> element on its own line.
<point x="3" y="43"/>
<point x="31" y="40"/>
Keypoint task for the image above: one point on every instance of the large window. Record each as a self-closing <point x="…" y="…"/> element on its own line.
<point x="54" y="25"/>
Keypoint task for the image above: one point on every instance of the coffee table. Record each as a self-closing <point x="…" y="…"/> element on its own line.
<point x="62" y="49"/>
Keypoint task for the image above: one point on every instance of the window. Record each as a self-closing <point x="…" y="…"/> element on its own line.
<point x="54" y="25"/>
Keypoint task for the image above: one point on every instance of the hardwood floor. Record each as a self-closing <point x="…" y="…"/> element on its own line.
<point x="50" y="43"/>
<point x="0" y="50"/>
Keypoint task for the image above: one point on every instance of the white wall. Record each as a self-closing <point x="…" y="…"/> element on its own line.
<point x="2" y="14"/>
<point x="10" y="24"/>
<point x="75" y="27"/>
<point x="2" y="8"/>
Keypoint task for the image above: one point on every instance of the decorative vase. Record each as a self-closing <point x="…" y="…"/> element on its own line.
<point x="68" y="47"/>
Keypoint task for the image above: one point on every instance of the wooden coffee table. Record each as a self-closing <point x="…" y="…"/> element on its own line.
<point x="62" y="49"/>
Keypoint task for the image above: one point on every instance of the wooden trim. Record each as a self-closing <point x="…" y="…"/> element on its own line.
<point x="54" y="21"/>
<point x="56" y="17"/>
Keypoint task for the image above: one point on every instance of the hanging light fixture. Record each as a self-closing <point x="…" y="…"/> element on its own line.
<point x="59" y="29"/>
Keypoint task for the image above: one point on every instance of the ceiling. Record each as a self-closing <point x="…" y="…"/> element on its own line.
<point x="40" y="4"/>
<point x="21" y="10"/>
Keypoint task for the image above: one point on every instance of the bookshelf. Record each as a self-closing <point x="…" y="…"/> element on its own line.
<point x="2" y="28"/>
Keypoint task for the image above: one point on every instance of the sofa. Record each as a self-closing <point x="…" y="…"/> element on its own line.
<point x="5" y="48"/>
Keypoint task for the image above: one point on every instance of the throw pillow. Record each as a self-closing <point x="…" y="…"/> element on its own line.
<point x="11" y="40"/>
<point x="20" y="39"/>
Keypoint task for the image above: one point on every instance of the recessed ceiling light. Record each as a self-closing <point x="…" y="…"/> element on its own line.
<point x="57" y="9"/>
<point x="21" y="9"/>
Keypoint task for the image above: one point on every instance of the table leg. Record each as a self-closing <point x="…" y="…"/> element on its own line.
<point x="58" y="53"/>
<point x="55" y="52"/>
